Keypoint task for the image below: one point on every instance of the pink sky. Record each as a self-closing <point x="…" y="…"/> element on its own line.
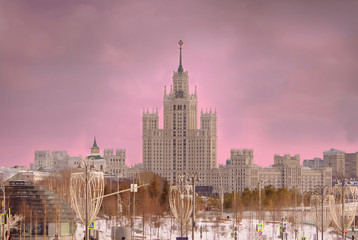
<point x="283" y="75"/>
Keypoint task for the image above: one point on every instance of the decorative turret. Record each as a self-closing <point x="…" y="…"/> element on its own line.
<point x="94" y="148"/>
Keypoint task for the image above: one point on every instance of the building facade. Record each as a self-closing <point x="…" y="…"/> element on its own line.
<point x="180" y="146"/>
<point x="57" y="160"/>
<point x="240" y="173"/>
<point x="311" y="178"/>
<point x="313" y="163"/>
<point x="336" y="160"/>
<point x="290" y="170"/>
<point x="351" y="165"/>
<point x="95" y="160"/>
<point x="116" y="162"/>
<point x="110" y="162"/>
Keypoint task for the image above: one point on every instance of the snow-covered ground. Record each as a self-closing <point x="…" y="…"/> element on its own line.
<point x="211" y="229"/>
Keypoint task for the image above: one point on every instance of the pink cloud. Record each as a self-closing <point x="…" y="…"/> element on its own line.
<point x="281" y="75"/>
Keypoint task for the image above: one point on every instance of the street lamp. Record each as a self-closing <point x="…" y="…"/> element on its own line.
<point x="260" y="214"/>
<point x="181" y="204"/>
<point x="343" y="205"/>
<point x="134" y="189"/>
<point x="90" y="185"/>
<point x="221" y="193"/>
<point x="295" y="214"/>
<point x="86" y="192"/>
<point x="193" y="177"/>
<point x="321" y="190"/>
<point x="235" y="212"/>
<point x="343" y="200"/>
<point x="3" y="208"/>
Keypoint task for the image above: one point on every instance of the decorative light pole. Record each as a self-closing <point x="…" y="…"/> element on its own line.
<point x="260" y="214"/>
<point x="3" y="208"/>
<point x="343" y="205"/>
<point x="86" y="225"/>
<point x="221" y="189"/>
<point x="343" y="200"/>
<point x="235" y="212"/>
<point x="193" y="177"/>
<point x="91" y="185"/>
<point x="320" y="201"/>
<point x="134" y="189"/>
<point x="321" y="188"/>
<point x="181" y="204"/>
<point x="295" y="214"/>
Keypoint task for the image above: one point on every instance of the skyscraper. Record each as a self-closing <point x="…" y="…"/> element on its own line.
<point x="180" y="146"/>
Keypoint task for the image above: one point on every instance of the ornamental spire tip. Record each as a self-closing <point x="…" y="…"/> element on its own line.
<point x="180" y="69"/>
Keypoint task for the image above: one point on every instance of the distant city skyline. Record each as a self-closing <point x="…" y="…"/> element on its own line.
<point x="281" y="75"/>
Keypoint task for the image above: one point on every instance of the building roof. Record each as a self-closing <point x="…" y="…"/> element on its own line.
<point x="94" y="143"/>
<point x="333" y="151"/>
<point x="95" y="156"/>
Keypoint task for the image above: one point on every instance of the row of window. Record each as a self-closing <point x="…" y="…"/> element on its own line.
<point x="179" y="107"/>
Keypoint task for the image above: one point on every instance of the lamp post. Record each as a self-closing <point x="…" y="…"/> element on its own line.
<point x="86" y="217"/>
<point x="344" y="182"/>
<point x="134" y="189"/>
<point x="193" y="177"/>
<point x="321" y="189"/>
<point x="343" y="193"/>
<point x="3" y="208"/>
<point x="235" y="215"/>
<point x="295" y="214"/>
<point x="260" y="215"/>
<point x="346" y="194"/>
<point x="85" y="163"/>
<point x="181" y="204"/>
<point x="87" y="189"/>
<point x="221" y="193"/>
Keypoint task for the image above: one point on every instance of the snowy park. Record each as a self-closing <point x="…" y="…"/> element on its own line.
<point x="332" y="212"/>
<point x="209" y="228"/>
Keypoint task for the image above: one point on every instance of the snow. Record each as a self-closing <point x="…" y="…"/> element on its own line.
<point x="169" y="229"/>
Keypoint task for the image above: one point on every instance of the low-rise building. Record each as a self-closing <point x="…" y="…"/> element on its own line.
<point x="116" y="163"/>
<point x="55" y="160"/>
<point x="110" y="162"/>
<point x="51" y="214"/>
<point x="311" y="178"/>
<point x="240" y="173"/>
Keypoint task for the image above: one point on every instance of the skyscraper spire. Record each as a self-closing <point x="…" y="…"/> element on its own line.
<point x="94" y="143"/>
<point x="180" y="69"/>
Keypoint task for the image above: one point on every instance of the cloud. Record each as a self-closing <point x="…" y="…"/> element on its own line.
<point x="281" y="75"/>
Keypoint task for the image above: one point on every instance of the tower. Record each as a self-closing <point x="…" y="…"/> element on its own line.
<point x="95" y="159"/>
<point x="180" y="146"/>
<point x="94" y="148"/>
